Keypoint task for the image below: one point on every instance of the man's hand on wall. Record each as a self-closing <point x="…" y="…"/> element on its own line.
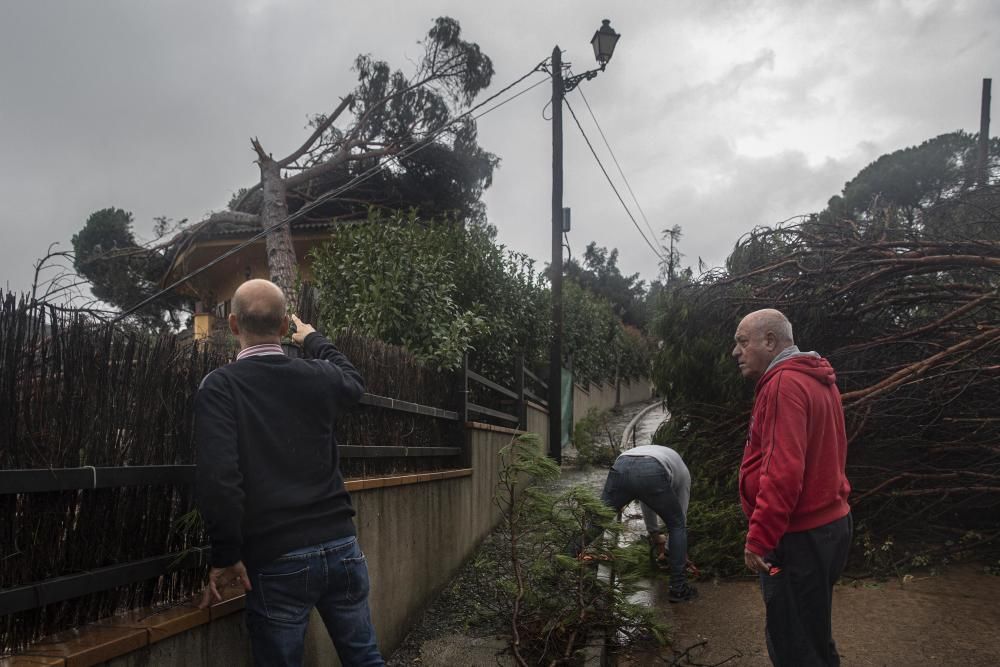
<point x="220" y="578"/>
<point x="301" y="330"/>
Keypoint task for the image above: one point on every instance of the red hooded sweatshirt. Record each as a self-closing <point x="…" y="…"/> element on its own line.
<point x="792" y="476"/>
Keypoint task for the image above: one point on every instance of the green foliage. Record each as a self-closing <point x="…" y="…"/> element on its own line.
<point x="670" y="264"/>
<point x="601" y="276"/>
<point x="592" y="334"/>
<point x="121" y="272"/>
<point x="437" y="288"/>
<point x="504" y="290"/>
<point x="593" y="440"/>
<point x="442" y="287"/>
<point x="879" y="554"/>
<point x="635" y="354"/>
<point x="395" y="281"/>
<point x="716" y="527"/>
<point x="899" y="195"/>
<point x="449" y="173"/>
<point x="694" y="366"/>
<point x="913" y="178"/>
<point x="897" y="269"/>
<point x="604" y="315"/>
<point x="556" y="604"/>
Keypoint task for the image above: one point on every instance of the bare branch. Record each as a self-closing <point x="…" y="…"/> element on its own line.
<point x="320" y="129"/>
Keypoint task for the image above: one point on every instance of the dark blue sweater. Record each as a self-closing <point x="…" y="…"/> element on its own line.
<point x="268" y="476"/>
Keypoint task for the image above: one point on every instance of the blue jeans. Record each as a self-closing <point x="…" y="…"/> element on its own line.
<point x="333" y="578"/>
<point x="644" y="479"/>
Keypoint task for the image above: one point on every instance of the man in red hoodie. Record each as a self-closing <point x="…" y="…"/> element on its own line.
<point x="793" y="488"/>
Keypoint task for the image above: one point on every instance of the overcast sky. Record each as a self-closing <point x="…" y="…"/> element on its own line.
<point x="723" y="115"/>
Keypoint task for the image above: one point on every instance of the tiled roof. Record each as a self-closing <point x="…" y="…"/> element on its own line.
<point x="240" y="229"/>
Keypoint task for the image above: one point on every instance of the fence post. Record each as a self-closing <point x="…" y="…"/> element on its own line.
<point x="522" y="404"/>
<point x="462" y="392"/>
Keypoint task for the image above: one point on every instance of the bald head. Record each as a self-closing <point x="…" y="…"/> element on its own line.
<point x="769" y="321"/>
<point x="760" y="337"/>
<point x="259" y="311"/>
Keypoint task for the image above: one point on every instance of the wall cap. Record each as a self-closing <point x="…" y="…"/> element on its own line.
<point x="372" y="483"/>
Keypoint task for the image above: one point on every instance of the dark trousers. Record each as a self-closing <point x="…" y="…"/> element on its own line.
<point x="798" y="594"/>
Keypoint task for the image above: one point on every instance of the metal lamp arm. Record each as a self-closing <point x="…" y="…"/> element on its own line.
<point x="572" y="82"/>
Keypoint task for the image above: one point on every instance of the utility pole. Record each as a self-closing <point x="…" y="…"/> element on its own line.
<point x="555" y="351"/>
<point x="603" y="41"/>
<point x="984" y="135"/>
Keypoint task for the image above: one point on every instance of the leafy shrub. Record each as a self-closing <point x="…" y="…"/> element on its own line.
<point x="393" y="280"/>
<point x="594" y="442"/>
<point x="444" y="287"/>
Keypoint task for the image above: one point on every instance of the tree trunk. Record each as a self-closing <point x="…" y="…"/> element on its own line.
<point x="281" y="261"/>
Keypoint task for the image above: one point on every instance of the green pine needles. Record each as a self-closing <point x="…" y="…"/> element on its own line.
<point x="559" y="607"/>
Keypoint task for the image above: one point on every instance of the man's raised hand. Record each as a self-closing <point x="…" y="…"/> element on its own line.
<point x="301" y="330"/>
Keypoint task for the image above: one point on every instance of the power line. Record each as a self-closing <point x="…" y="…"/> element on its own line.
<point x="613" y="157"/>
<point x="357" y="180"/>
<point x="511" y="98"/>
<point x="610" y="182"/>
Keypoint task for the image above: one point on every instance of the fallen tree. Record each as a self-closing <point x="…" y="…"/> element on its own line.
<point x="905" y="303"/>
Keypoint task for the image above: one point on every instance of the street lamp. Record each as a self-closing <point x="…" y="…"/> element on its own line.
<point x="603" y="41"/>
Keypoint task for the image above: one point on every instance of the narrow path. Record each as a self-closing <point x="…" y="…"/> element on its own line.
<point x="948" y="618"/>
<point x="945" y="619"/>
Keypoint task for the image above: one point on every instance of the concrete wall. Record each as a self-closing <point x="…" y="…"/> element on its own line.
<point x="224" y="641"/>
<point x="415" y="537"/>
<point x="538" y="422"/>
<point x="602" y="397"/>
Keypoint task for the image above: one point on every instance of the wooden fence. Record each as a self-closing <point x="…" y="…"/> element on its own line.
<point x="97" y="457"/>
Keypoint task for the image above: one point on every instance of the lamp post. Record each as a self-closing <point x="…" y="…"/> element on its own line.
<point x="603" y="41"/>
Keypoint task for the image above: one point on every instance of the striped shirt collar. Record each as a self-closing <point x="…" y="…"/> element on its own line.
<point x="260" y="350"/>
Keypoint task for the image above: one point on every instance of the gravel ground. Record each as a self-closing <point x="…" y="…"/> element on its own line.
<point x="455" y="617"/>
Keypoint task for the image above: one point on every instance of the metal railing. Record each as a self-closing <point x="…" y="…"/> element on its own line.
<point x="517" y="397"/>
<point x="47" y="480"/>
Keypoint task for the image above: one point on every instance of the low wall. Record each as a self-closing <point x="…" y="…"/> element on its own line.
<point x="415" y="539"/>
<point x="416" y="532"/>
<point x="415" y="535"/>
<point x="603" y="397"/>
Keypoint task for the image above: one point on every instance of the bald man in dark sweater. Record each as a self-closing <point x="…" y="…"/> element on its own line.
<point x="270" y="489"/>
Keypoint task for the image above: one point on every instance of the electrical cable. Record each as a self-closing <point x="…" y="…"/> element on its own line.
<point x="357" y="180"/>
<point x="610" y="182"/>
<point x="615" y="158"/>
<point x="510" y="99"/>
